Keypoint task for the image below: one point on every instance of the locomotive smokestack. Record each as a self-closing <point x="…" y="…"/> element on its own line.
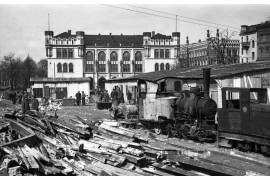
<point x="206" y="82"/>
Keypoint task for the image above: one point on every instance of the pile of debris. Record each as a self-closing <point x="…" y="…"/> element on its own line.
<point x="38" y="144"/>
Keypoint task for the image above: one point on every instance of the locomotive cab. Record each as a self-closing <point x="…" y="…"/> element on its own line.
<point x="244" y="119"/>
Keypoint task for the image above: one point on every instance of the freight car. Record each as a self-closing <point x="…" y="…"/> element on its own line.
<point x="244" y="120"/>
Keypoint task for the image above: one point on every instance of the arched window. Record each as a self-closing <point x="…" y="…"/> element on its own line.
<point x="65" y="67"/>
<point x="156" y="67"/>
<point x="59" y="67"/>
<point x="64" y="53"/>
<point x="89" y="62"/>
<point x="58" y="53"/>
<point x="138" y="61"/>
<point x="167" y="66"/>
<point x="161" y="66"/>
<point x="126" y="61"/>
<point x="101" y="62"/>
<point x="70" y="67"/>
<point x="114" y="61"/>
<point x="70" y="53"/>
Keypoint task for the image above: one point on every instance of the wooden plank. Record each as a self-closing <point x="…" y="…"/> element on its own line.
<point x="115" y="147"/>
<point x="155" y="172"/>
<point x="212" y="168"/>
<point x="33" y="163"/>
<point x="95" y="170"/>
<point x="133" y="151"/>
<point x="23" y="157"/>
<point x="37" y="154"/>
<point x="136" y="160"/>
<point x="122" y="143"/>
<point x="174" y="171"/>
<point x="117" y="130"/>
<point x="113" y="135"/>
<point x="48" y="124"/>
<point x="114" y="170"/>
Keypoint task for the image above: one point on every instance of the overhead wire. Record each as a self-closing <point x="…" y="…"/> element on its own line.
<point x="163" y="16"/>
<point x="181" y="16"/>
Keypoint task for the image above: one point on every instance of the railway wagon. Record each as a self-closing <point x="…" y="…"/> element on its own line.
<point x="244" y="119"/>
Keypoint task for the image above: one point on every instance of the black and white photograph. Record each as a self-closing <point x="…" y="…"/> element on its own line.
<point x="134" y="88"/>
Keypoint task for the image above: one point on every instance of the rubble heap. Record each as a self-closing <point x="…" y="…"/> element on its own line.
<point x="38" y="144"/>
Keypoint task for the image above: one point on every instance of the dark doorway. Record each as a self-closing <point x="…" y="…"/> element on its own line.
<point x="101" y="83"/>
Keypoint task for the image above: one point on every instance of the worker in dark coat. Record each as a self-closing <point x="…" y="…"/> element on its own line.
<point x="83" y="98"/>
<point x="106" y="97"/>
<point x="114" y="96"/>
<point x="78" y="98"/>
<point x="129" y="97"/>
<point x="20" y="96"/>
<point x="120" y="96"/>
<point x="25" y="104"/>
<point x="34" y="103"/>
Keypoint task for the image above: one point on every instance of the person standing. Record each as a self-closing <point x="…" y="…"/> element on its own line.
<point x="25" y="104"/>
<point x="78" y="98"/>
<point x="106" y="97"/>
<point x="83" y="98"/>
<point x="120" y="96"/>
<point x="129" y="97"/>
<point x="114" y="96"/>
<point x="20" y="95"/>
<point x="34" y="103"/>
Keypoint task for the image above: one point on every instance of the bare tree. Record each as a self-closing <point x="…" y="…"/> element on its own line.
<point x="221" y="48"/>
<point x="10" y="66"/>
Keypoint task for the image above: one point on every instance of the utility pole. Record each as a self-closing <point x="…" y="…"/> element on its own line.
<point x="218" y="45"/>
<point x="48" y="21"/>
<point x="176" y="23"/>
<point x="208" y="38"/>
<point x="187" y="63"/>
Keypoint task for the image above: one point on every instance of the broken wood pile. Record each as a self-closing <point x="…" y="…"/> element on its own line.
<point x="36" y="144"/>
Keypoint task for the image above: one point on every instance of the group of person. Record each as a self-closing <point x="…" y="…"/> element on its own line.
<point x="80" y="98"/>
<point x="26" y="101"/>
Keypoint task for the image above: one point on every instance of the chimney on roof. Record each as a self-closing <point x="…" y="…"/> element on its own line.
<point x="153" y="33"/>
<point x="69" y="32"/>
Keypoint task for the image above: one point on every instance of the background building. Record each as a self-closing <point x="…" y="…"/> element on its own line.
<point x="263" y="44"/>
<point x="160" y="51"/>
<point x="205" y="53"/>
<point x="80" y="62"/>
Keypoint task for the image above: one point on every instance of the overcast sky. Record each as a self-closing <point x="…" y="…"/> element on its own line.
<point x="22" y="26"/>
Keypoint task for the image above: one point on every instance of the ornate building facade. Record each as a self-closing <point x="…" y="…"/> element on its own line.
<point x="204" y="53"/>
<point x="80" y="62"/>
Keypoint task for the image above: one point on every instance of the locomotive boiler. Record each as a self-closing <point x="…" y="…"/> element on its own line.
<point x="195" y="114"/>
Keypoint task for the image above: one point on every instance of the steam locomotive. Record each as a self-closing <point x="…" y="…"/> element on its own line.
<point x="243" y="120"/>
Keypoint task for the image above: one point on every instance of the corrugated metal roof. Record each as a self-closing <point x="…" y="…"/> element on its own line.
<point x="217" y="72"/>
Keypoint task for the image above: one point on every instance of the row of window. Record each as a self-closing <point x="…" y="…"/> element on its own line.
<point x="264" y="38"/>
<point x="161" y="67"/>
<point x="89" y="62"/>
<point x="113" y="68"/>
<point x="162" y="53"/>
<point x="65" y="67"/>
<point x="64" y="53"/>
